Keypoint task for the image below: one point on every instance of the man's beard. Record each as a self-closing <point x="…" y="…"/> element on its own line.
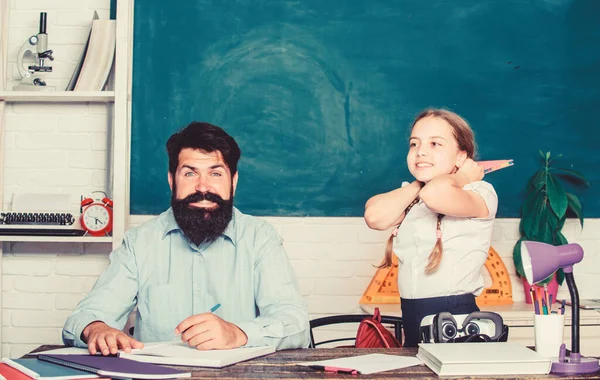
<point x="202" y="225"/>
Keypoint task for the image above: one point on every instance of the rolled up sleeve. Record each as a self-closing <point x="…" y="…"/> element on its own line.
<point x="486" y="191"/>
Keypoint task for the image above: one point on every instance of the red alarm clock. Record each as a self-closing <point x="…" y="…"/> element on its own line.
<point x="96" y="215"/>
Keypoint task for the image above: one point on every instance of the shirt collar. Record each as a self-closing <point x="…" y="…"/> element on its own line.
<point x="171" y="225"/>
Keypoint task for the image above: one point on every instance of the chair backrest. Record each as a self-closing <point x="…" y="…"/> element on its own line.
<point x="351" y="318"/>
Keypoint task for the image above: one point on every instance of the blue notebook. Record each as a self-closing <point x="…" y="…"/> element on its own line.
<point x="41" y="370"/>
<point x="112" y="366"/>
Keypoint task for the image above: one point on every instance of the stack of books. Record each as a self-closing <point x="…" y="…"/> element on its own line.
<point x="77" y="363"/>
<point x="67" y="367"/>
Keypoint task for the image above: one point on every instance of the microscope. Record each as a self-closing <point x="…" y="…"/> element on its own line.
<point x="36" y="46"/>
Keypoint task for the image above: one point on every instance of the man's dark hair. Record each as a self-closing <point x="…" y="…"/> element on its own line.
<point x="205" y="137"/>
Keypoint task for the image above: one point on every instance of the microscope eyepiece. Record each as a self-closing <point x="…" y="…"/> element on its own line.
<point x="43" y="22"/>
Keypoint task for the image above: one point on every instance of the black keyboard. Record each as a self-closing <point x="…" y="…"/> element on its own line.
<point x="39" y="224"/>
<point x="37" y="218"/>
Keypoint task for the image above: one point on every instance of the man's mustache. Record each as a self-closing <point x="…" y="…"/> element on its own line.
<point x="199" y="196"/>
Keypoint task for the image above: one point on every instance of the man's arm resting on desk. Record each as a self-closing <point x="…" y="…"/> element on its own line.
<point x="283" y="329"/>
<point x="111" y="299"/>
<point x="283" y="320"/>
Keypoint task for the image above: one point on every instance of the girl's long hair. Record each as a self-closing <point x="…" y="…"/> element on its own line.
<point x="465" y="140"/>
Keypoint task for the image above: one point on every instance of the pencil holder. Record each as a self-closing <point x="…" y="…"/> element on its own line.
<point x="549" y="333"/>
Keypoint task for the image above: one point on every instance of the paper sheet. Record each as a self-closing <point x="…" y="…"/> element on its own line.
<point x="42" y="202"/>
<point x="367" y="364"/>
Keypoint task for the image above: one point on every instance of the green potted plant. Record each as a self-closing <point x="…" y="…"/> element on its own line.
<point x="544" y="212"/>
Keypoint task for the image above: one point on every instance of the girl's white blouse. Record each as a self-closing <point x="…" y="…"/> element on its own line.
<point x="466" y="242"/>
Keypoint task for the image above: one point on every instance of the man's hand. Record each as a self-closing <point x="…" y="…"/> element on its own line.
<point x="470" y="171"/>
<point x="206" y="331"/>
<point x="101" y="337"/>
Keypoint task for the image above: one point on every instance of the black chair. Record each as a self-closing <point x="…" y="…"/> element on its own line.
<point x="352" y="318"/>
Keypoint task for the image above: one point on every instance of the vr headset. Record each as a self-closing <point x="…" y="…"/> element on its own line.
<point x="479" y="326"/>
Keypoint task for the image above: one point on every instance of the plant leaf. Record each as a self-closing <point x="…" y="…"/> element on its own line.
<point x="537" y="181"/>
<point x="547" y="155"/>
<point x="551" y="231"/>
<point x="555" y="157"/>
<point x="553" y="222"/>
<point x="546" y="230"/>
<point x="575" y="206"/>
<point x="543" y="155"/>
<point x="561" y="239"/>
<point x="575" y="174"/>
<point x="561" y="222"/>
<point x="540" y="226"/>
<point x="531" y="201"/>
<point x="518" y="259"/>
<point x="531" y="220"/>
<point x="557" y="196"/>
<point x="574" y="199"/>
<point x="546" y="280"/>
<point x="560" y="276"/>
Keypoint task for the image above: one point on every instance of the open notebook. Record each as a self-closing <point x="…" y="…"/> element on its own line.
<point x="181" y="354"/>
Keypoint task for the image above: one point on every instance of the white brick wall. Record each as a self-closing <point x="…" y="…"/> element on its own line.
<point x="62" y="148"/>
<point x="56" y="148"/>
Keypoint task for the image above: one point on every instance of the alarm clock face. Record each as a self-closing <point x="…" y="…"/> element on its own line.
<point x="96" y="217"/>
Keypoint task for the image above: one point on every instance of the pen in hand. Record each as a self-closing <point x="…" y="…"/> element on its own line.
<point x="178" y="336"/>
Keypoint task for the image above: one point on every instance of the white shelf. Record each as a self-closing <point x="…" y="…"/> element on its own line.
<point x="57" y="239"/>
<point x="58" y="96"/>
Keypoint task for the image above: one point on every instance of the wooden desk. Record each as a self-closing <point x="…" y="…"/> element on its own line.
<point x="282" y="365"/>
<point x="519" y="318"/>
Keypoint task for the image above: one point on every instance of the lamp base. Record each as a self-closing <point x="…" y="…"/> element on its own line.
<point x="575" y="363"/>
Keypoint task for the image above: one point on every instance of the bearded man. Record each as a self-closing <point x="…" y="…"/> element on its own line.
<point x="200" y="253"/>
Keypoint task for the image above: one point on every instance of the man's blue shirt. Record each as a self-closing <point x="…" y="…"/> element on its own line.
<point x="169" y="278"/>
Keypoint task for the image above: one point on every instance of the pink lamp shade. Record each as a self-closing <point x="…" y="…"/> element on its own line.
<point x="540" y="260"/>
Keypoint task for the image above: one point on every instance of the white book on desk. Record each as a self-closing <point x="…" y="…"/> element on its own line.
<point x="490" y="358"/>
<point x="181" y="354"/>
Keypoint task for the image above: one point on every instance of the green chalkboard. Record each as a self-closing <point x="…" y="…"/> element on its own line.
<point x="320" y="93"/>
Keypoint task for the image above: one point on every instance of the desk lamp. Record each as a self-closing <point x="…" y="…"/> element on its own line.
<point x="540" y="260"/>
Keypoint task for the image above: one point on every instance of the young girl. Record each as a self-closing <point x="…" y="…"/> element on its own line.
<point x="443" y="219"/>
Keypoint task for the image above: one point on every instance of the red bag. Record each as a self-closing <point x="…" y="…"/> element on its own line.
<point x="372" y="334"/>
